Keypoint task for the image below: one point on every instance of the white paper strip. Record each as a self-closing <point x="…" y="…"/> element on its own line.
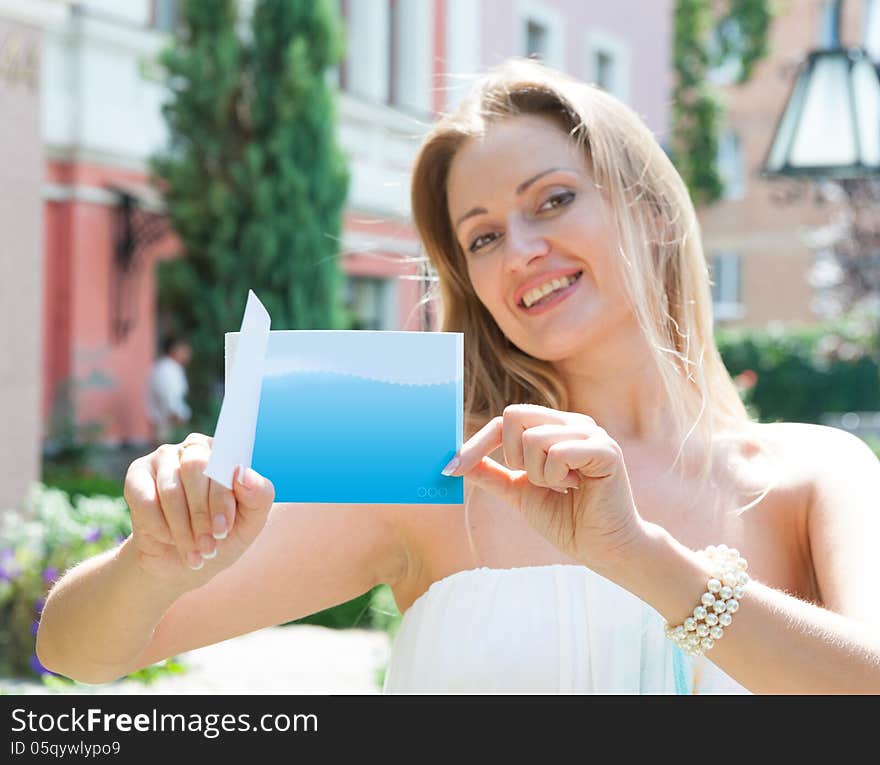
<point x="237" y="424"/>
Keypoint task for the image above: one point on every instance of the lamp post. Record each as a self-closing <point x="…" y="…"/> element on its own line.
<point x="830" y="127"/>
<point x="829" y="134"/>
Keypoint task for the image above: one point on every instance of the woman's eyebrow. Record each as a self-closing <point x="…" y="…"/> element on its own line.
<point x="519" y="190"/>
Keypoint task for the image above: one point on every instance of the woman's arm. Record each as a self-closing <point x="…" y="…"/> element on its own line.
<point x="135" y="605"/>
<point x="107" y="618"/>
<point x="99" y="614"/>
<point x="309" y="557"/>
<point x="778" y="643"/>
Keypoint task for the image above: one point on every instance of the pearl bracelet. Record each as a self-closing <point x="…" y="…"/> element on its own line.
<point x="724" y="590"/>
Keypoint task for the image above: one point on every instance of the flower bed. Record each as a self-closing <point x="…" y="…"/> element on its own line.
<point x="49" y="535"/>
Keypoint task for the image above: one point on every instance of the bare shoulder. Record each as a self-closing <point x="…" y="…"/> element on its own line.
<point x="770" y="453"/>
<point x="778" y="461"/>
<point x="832" y="469"/>
<point x="812" y="451"/>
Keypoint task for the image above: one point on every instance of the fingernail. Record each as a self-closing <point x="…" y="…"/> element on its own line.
<point x="561" y="491"/>
<point x="247" y="477"/>
<point x="452" y="466"/>
<point x="218" y="523"/>
<point x="210" y="555"/>
<point x="195" y="561"/>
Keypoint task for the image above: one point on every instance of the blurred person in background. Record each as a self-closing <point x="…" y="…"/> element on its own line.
<point x="167" y="409"/>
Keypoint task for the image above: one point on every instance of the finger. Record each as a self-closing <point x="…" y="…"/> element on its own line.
<point x="491" y="436"/>
<point x="495" y="478"/>
<point x="193" y="461"/>
<point x="221" y="507"/>
<point x="174" y="507"/>
<point x="570" y="461"/>
<point x="482" y="443"/>
<point x="254" y="494"/>
<point x="198" y="438"/>
<point x="537" y="441"/>
<point x="518" y="418"/>
<point x="142" y="498"/>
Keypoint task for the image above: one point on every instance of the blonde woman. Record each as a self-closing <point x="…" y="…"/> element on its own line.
<point x="607" y="450"/>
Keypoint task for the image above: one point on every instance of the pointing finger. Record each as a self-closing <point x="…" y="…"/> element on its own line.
<point x="485" y="441"/>
<point x="493" y="477"/>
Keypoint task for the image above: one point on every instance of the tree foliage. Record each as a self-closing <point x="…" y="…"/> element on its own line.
<point x="846" y="265"/>
<point x="707" y="35"/>
<point x="255" y="184"/>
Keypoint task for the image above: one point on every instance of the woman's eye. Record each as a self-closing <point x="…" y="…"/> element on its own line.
<point x="481" y="241"/>
<point x="558" y="200"/>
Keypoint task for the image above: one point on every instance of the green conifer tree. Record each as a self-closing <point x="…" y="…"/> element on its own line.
<point x="255" y="183"/>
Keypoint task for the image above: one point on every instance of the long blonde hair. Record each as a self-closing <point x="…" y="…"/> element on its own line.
<point x="665" y="272"/>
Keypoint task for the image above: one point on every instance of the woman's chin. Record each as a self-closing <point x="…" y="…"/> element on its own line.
<point x="550" y="352"/>
<point x="558" y="343"/>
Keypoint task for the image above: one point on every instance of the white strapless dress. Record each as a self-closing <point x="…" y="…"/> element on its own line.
<point x="540" y="629"/>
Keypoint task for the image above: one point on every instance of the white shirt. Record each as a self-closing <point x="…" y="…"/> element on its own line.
<point x="166" y="392"/>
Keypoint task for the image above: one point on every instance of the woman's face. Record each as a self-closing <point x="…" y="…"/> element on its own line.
<point x="537" y="236"/>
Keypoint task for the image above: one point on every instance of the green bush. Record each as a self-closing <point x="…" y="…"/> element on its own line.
<point x="375" y="609"/>
<point x="352" y="613"/>
<point x="77" y="483"/>
<point x="384" y="614"/>
<point x="874" y="444"/>
<point x="49" y="535"/>
<point x="801" y="373"/>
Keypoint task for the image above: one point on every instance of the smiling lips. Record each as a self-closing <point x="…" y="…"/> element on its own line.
<point x="547" y="290"/>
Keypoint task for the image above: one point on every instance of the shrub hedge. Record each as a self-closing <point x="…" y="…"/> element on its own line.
<point x="802" y="373"/>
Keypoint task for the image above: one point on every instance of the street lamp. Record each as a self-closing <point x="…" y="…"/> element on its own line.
<point x="830" y="128"/>
<point x="829" y="133"/>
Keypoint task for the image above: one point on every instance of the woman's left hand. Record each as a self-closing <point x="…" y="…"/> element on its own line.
<point x="549" y="451"/>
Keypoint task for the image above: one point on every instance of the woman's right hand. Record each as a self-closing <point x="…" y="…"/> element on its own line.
<point x="185" y="526"/>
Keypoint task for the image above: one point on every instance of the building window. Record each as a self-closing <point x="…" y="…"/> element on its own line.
<point x="725" y="46"/>
<point x="604" y="69"/>
<point x="388" y="52"/>
<point x="725" y="273"/>
<point x="394" y="34"/>
<point x="608" y="63"/>
<point x="369" y="303"/>
<point x="872" y="29"/>
<point x="540" y="33"/>
<point x="536" y="40"/>
<point x="828" y="32"/>
<point x="166" y="15"/>
<point x="731" y="166"/>
<point x="409" y="52"/>
<point x="366" y="71"/>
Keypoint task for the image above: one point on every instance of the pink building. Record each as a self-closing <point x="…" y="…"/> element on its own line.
<point x="99" y="121"/>
<point x="21" y="261"/>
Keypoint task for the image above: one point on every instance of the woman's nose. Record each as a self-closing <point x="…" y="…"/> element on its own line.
<point x="523" y="244"/>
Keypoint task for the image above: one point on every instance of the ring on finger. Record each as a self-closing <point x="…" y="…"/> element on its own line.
<point x="186" y="445"/>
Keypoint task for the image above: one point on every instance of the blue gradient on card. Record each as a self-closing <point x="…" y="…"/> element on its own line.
<point x="336" y="437"/>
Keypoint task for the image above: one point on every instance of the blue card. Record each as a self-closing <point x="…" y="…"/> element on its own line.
<point x="351" y="416"/>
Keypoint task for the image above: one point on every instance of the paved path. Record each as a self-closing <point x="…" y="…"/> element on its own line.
<point x="279" y="660"/>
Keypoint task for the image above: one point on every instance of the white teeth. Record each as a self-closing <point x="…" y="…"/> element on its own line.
<point x="532" y="296"/>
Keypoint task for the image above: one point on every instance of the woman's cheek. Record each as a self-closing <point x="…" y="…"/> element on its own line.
<point x="492" y="301"/>
<point x="481" y="281"/>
